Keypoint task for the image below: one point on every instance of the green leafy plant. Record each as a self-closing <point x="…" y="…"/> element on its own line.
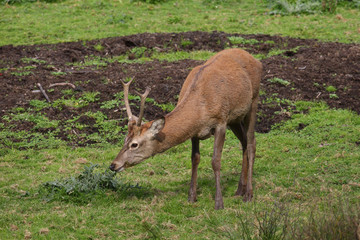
<point x="40" y="120"/>
<point x="279" y="81"/>
<point x="331" y="89"/>
<point x="3" y="69"/>
<point x="138" y="52"/>
<point x="68" y="92"/>
<point x="81" y="188"/>
<point x="92" y="61"/>
<point x="333" y="95"/>
<point x="38" y="104"/>
<point x="21" y="74"/>
<point x="110" y="104"/>
<point x="99" y="47"/>
<point x="269" y="42"/>
<point x="185" y="42"/>
<point x="90" y="96"/>
<point x="168" y="107"/>
<point x="286" y="7"/>
<point x="59" y="73"/>
<point x="85" y="99"/>
<point x="32" y="60"/>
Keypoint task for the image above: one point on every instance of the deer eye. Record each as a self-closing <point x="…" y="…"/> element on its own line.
<point x="134" y="145"/>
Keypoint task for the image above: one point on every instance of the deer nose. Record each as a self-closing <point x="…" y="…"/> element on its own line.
<point x="112" y="167"/>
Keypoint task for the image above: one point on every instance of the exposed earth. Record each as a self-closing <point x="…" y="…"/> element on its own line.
<point x="294" y="69"/>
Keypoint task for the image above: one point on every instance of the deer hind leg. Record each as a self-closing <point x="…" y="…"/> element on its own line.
<point x="240" y="132"/>
<point x="195" y="160"/>
<point x="251" y="149"/>
<point x="219" y="135"/>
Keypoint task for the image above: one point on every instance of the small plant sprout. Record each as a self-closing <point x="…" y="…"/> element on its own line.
<point x="333" y="95"/>
<point x="99" y="47"/>
<point x="138" y="52"/>
<point x="185" y="42"/>
<point x="331" y="89"/>
<point x="279" y="81"/>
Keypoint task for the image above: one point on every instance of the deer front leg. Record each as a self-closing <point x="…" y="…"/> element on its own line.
<point x="195" y="160"/>
<point x="220" y="132"/>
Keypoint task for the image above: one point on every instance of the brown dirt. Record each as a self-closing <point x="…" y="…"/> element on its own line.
<point x="309" y="68"/>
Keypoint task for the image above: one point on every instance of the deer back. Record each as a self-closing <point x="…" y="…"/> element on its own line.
<point x="221" y="89"/>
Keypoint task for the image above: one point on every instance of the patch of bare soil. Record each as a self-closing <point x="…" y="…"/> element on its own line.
<point x="309" y="66"/>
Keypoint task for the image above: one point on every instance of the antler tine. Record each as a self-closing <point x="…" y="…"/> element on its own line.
<point x="142" y="104"/>
<point x="126" y="100"/>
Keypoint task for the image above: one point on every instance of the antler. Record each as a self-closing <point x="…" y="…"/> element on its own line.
<point x="142" y="105"/>
<point x="126" y="99"/>
<point x="142" y="102"/>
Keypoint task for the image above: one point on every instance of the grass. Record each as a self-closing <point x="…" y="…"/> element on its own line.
<point x="140" y="58"/>
<point x="299" y="168"/>
<point x="138" y="55"/>
<point x="306" y="177"/>
<point x="72" y="20"/>
<point x="241" y="40"/>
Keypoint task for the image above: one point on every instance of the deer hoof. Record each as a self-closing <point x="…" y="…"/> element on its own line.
<point x="241" y="191"/>
<point x="247" y="197"/>
<point x="219" y="205"/>
<point x="192" y="199"/>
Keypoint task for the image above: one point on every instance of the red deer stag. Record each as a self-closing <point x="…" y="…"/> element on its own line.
<point x="221" y="93"/>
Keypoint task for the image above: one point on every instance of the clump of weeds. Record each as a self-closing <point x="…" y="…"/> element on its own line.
<point x="83" y="187"/>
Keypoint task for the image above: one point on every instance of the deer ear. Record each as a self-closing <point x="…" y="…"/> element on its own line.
<point x="155" y="129"/>
<point x="157" y="125"/>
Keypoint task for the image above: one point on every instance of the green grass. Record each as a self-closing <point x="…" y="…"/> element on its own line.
<point x="140" y="58"/>
<point x="241" y="40"/>
<point x="304" y="170"/>
<point x="72" y="20"/>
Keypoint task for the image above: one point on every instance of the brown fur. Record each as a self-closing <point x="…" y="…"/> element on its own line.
<point x="223" y="92"/>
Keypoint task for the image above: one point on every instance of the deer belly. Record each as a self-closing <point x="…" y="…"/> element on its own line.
<point x="206" y="133"/>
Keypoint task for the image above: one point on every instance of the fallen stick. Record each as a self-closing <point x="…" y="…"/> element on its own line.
<point x="62" y="84"/>
<point x="43" y="92"/>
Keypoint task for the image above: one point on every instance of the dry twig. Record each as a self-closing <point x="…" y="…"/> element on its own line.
<point x="62" y="84"/>
<point x="43" y="92"/>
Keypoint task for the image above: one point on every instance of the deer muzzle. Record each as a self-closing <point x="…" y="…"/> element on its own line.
<point x="115" y="169"/>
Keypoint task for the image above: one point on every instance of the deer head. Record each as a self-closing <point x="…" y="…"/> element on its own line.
<point x="142" y="139"/>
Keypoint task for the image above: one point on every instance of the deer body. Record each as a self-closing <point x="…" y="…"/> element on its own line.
<point x="221" y="93"/>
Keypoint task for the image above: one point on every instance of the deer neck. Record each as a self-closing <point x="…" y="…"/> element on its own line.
<point x="180" y="125"/>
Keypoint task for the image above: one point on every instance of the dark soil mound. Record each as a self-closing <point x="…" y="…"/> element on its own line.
<point x="312" y="70"/>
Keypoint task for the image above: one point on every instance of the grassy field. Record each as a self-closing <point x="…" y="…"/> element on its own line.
<point x="307" y="182"/>
<point x="74" y="20"/>
<point x="297" y="172"/>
